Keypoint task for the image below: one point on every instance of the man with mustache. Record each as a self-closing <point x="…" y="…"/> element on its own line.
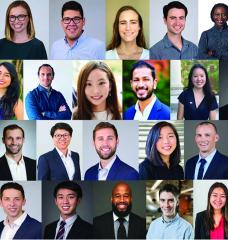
<point x="121" y="222"/>
<point x="143" y="83"/>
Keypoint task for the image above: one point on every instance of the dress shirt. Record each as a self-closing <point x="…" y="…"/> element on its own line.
<point x="117" y="224"/>
<point x="103" y="172"/>
<point x="18" y="170"/>
<point x="112" y="54"/>
<point x="206" y="165"/>
<point x="104" y="115"/>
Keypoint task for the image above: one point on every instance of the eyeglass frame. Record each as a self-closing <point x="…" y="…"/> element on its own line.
<point x="17" y="17"/>
<point x="65" y="136"/>
<point x="72" y="19"/>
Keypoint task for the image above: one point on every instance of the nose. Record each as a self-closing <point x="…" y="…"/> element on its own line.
<point x="95" y="89"/>
<point x="127" y="26"/>
<point x="65" y="200"/>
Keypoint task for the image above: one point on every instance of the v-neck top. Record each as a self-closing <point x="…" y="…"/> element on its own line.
<point x="191" y="112"/>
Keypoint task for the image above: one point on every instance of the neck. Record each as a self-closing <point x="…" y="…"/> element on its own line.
<point x="168" y="218"/>
<point x="64" y="151"/>
<point x="12" y="219"/>
<point x="127" y="47"/>
<point x="176" y="39"/>
<point x="65" y="217"/>
<point x="165" y="160"/>
<point x="198" y="90"/>
<point x="99" y="108"/>
<point x="217" y="212"/>
<point x="143" y="104"/>
<point x="16" y="157"/>
<point x="71" y="42"/>
<point x="105" y="162"/>
<point x="205" y="154"/>
<point x="21" y="37"/>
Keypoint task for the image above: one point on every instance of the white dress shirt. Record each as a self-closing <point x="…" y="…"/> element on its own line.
<point x="117" y="224"/>
<point x="103" y="172"/>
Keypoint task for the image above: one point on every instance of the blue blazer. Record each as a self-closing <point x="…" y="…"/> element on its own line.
<point x="29" y="229"/>
<point x="118" y="171"/>
<point x="218" y="168"/>
<point x="159" y="112"/>
<point x="51" y="167"/>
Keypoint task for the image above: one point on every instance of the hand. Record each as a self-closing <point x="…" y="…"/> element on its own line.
<point x="62" y="108"/>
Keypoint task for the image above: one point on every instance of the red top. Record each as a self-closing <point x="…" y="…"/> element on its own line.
<point x="218" y="233"/>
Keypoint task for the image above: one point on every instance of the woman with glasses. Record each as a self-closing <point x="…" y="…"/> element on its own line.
<point x="20" y="41"/>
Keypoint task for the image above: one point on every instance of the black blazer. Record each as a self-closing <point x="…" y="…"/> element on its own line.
<point x="5" y="174"/>
<point x="103" y="227"/>
<point x="80" y="230"/>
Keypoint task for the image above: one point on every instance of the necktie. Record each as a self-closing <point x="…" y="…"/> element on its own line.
<point x="201" y="169"/>
<point x="61" y="231"/>
<point x="121" y="233"/>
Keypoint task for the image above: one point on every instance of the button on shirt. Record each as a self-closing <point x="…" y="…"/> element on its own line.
<point x="117" y="224"/>
<point x="103" y="172"/>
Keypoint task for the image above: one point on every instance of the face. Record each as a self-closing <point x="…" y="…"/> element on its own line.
<point x="46" y="77"/>
<point x="97" y="89"/>
<point x="198" y="78"/>
<point x="175" y="21"/>
<point x="5" y="78"/>
<point x="220" y="17"/>
<point x="168" y="204"/>
<point x="13" y="141"/>
<point x="105" y="143"/>
<point x="142" y="83"/>
<point x="62" y="139"/>
<point x="218" y="198"/>
<point x="12" y="202"/>
<point x="67" y="202"/>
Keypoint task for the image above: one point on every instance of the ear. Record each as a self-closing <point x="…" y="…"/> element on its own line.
<point x="217" y="138"/>
<point x="165" y="21"/>
<point x="155" y="83"/>
<point x="83" y="21"/>
<point x="117" y="141"/>
<point x="24" y="201"/>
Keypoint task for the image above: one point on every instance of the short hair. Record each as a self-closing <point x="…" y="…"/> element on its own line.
<point x="46" y="65"/>
<point x="61" y="125"/>
<point x="222" y="5"/>
<point x="103" y="125"/>
<point x="174" y="4"/>
<point x="170" y="188"/>
<point x="207" y="123"/>
<point x="12" y="127"/>
<point x="141" y="64"/>
<point x="70" y="185"/>
<point x="72" y="5"/>
<point x="12" y="185"/>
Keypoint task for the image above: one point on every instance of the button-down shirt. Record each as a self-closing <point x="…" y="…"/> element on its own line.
<point x="103" y="172"/>
<point x="117" y="224"/>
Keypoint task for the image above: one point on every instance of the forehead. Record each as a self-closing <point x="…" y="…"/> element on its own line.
<point x="166" y="129"/>
<point x="142" y="71"/>
<point x="128" y="14"/>
<point x="17" y="10"/>
<point x="3" y="69"/>
<point x="121" y="188"/>
<point x="166" y="195"/>
<point x="71" y="13"/>
<point x="219" y="9"/>
<point x="218" y="190"/>
<point x="45" y="69"/>
<point x="11" y="192"/>
<point x="198" y="70"/>
<point x="97" y="74"/>
<point x="104" y="132"/>
<point x="14" y="132"/>
<point x="205" y="128"/>
<point x="176" y="12"/>
<point x="59" y="130"/>
<point x="65" y="191"/>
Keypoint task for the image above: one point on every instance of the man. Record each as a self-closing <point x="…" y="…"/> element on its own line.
<point x="110" y="167"/>
<point x="13" y="165"/>
<point x="121" y="222"/>
<point x="170" y="225"/>
<point x="209" y="163"/>
<point x="67" y="196"/>
<point x="61" y="163"/>
<point x="75" y="44"/>
<point x="143" y="83"/>
<point x="18" y="224"/>
<point x="173" y="45"/>
<point x="45" y="103"/>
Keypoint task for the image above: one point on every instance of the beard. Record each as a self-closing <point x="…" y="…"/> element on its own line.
<point x="143" y="98"/>
<point x="10" y="150"/>
<point x="122" y="214"/>
<point x="106" y="156"/>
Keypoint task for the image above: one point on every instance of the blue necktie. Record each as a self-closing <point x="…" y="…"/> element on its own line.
<point x="201" y="169"/>
<point x="61" y="231"/>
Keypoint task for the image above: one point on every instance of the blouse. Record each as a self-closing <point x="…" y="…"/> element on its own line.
<point x="112" y="54"/>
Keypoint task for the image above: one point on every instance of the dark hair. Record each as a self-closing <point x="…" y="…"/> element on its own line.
<point x="141" y="64"/>
<point x="174" y="4"/>
<point x="208" y="123"/>
<point x="103" y="125"/>
<point x="68" y="185"/>
<point x="170" y="188"/>
<point x="72" y="5"/>
<point x="10" y="99"/>
<point x="222" y="5"/>
<point x="151" y="149"/>
<point x="12" y="185"/>
<point x="61" y="125"/>
<point x="46" y="65"/>
<point x="116" y="39"/>
<point x="12" y="127"/>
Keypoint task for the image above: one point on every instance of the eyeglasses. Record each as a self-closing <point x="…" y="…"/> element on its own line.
<point x="75" y="20"/>
<point x="20" y="18"/>
<point x="59" y="136"/>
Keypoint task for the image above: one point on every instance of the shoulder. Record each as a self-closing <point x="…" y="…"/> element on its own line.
<point x="137" y="218"/>
<point x="51" y="225"/>
<point x="36" y="42"/>
<point x="102" y="217"/>
<point x="47" y="154"/>
<point x="83" y="223"/>
<point x="162" y="105"/>
<point x="158" y="46"/>
<point x="74" y="154"/>
<point x="185" y="223"/>
<point x="184" y="94"/>
<point x="221" y="156"/>
<point x="192" y="160"/>
<point x="29" y="160"/>
<point x="124" y="165"/>
<point x="111" y="54"/>
<point x="93" y="41"/>
<point x="128" y="113"/>
<point x="58" y="42"/>
<point x="4" y="41"/>
<point x="33" y="221"/>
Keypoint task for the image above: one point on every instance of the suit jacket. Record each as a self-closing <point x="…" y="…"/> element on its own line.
<point x="29" y="229"/>
<point x="30" y="167"/>
<point x="51" y="167"/>
<point x="118" y="171"/>
<point x="218" y="168"/>
<point x="103" y="227"/>
<point x="79" y="230"/>
<point x="223" y="112"/>
<point x="158" y="112"/>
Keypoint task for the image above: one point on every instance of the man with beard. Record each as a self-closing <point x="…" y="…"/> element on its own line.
<point x="120" y="223"/>
<point x="110" y="167"/>
<point x="13" y="165"/>
<point x="143" y="83"/>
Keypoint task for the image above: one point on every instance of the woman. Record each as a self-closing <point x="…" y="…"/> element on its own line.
<point x="20" y="41"/>
<point x="128" y="41"/>
<point x="213" y="43"/>
<point x="96" y="93"/>
<point x="162" y="154"/>
<point x="10" y="104"/>
<point x="213" y="222"/>
<point x="197" y="102"/>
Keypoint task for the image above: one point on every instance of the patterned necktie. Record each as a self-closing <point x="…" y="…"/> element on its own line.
<point x="121" y="233"/>
<point x="61" y="231"/>
<point x="201" y="169"/>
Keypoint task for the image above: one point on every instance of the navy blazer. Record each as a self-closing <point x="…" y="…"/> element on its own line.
<point x="51" y="167"/>
<point x="118" y="171"/>
<point x="159" y="112"/>
<point x="218" y="168"/>
<point x="29" y="229"/>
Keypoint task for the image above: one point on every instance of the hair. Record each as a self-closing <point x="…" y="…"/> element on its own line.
<point x="46" y="65"/>
<point x="12" y="185"/>
<point x="174" y="4"/>
<point x="9" y="33"/>
<point x="70" y="185"/>
<point x="122" y="183"/>
<point x="61" y="125"/>
<point x="151" y="150"/>
<point x="12" y="127"/>
<point x="209" y="219"/>
<point x="207" y="123"/>
<point x="10" y="99"/>
<point x="103" y="125"/>
<point x="222" y="5"/>
<point x="170" y="188"/>
<point x="72" y="5"/>
<point x="84" y="108"/>
<point x="141" y="64"/>
<point x="116" y="39"/>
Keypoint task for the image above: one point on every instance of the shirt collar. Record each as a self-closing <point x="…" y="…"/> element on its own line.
<point x="149" y="106"/>
<point x="77" y="41"/>
<point x="171" y="220"/>
<point x="220" y="29"/>
<point x="61" y="154"/>
<point x="69" y="221"/>
<point x="11" y="161"/>
<point x="17" y="222"/>
<point x="41" y="88"/>
<point x="169" y="44"/>
<point x="115" y="217"/>
<point x="109" y="165"/>
<point x="208" y="158"/>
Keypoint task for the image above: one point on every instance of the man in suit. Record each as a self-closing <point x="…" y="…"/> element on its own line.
<point x="209" y="163"/>
<point x="110" y="167"/>
<point x="121" y="222"/>
<point x="13" y="165"/>
<point x="67" y="196"/>
<point x="18" y="224"/>
<point x="61" y="163"/>
<point x="143" y="83"/>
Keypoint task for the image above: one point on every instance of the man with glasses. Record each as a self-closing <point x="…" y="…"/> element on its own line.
<point x="61" y="163"/>
<point x="75" y="44"/>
